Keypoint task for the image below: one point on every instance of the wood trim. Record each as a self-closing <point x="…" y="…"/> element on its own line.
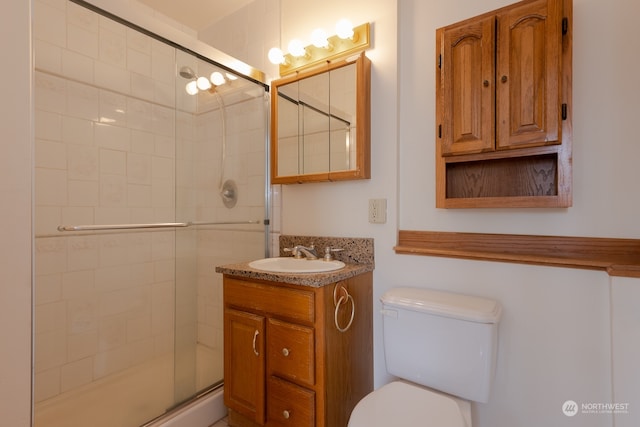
<point x="617" y="257"/>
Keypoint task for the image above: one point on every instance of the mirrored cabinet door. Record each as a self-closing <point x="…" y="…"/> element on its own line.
<point x="320" y="124"/>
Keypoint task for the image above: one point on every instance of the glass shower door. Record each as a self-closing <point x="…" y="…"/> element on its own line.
<point x="128" y="207"/>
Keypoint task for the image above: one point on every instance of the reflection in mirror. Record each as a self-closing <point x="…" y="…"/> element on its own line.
<point x="320" y="124"/>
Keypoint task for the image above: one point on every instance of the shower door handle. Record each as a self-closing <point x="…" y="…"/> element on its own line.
<point x="255" y="337"/>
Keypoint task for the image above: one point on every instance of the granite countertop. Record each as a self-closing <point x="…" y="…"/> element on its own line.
<point x="305" y="279"/>
<point x="356" y="253"/>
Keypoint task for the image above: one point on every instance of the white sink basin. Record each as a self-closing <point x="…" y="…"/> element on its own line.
<point x="293" y="265"/>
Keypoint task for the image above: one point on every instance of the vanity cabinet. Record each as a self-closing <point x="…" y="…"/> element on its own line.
<point x="286" y="363"/>
<point x="503" y="88"/>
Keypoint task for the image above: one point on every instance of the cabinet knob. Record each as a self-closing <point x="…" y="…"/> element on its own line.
<point x="485" y="83"/>
<point x="503" y="79"/>
<point x="286" y="414"/>
<point x="285" y="352"/>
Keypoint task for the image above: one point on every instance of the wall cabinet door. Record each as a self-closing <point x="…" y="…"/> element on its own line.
<point x="244" y="347"/>
<point x="500" y="79"/>
<point x="467" y="79"/>
<point x="528" y="106"/>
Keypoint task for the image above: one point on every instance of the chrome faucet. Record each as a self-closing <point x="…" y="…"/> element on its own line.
<point x="300" y="251"/>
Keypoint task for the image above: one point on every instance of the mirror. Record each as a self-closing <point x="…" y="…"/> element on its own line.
<point x="320" y="124"/>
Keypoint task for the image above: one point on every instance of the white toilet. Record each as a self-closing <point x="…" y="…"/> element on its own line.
<point x="440" y="340"/>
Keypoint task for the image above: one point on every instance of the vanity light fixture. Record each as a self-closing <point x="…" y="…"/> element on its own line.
<point x="197" y="84"/>
<point x="347" y="41"/>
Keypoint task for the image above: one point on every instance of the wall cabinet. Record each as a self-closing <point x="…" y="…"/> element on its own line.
<point x="286" y="361"/>
<point x="503" y="90"/>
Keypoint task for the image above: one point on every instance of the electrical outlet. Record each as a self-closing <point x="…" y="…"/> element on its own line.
<point x="377" y="211"/>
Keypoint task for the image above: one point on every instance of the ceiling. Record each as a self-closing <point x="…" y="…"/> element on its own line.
<point x="196" y="14"/>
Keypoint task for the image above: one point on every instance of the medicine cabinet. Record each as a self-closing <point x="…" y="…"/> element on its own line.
<point x="320" y="124"/>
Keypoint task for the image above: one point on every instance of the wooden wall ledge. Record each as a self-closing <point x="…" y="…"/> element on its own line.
<point x="618" y="257"/>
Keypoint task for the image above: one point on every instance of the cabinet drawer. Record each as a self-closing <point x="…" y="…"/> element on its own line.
<point x="290" y="351"/>
<point x="294" y="304"/>
<point x="289" y="405"/>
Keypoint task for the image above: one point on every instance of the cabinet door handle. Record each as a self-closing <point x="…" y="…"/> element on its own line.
<point x="255" y="336"/>
<point x="286" y="414"/>
<point x="285" y="352"/>
<point x="504" y="79"/>
<point x="485" y="83"/>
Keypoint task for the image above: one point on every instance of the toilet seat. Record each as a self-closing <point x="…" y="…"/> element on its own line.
<point x="408" y="405"/>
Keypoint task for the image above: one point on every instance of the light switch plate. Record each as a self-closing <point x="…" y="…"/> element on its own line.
<point x="377" y="211"/>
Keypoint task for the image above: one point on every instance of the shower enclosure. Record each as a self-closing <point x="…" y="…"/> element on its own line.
<point x="143" y="184"/>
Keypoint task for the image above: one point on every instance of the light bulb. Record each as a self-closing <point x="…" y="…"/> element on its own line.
<point x="217" y="78"/>
<point x="344" y="29"/>
<point x="296" y="48"/>
<point x="231" y="76"/>
<point x="319" y="38"/>
<point x="275" y="56"/>
<point x="191" y="87"/>
<point x="203" y="83"/>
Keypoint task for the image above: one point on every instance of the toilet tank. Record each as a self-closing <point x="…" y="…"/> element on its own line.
<point x="441" y="340"/>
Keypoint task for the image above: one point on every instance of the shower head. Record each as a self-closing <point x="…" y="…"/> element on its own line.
<point x="187" y="73"/>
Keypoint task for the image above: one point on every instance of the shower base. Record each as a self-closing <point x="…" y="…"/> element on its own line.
<point x="131" y="399"/>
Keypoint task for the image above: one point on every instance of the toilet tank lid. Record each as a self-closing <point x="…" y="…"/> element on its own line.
<point x="446" y="304"/>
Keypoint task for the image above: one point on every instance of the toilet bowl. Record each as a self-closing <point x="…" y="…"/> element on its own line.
<point x="403" y="404"/>
<point x="442" y="348"/>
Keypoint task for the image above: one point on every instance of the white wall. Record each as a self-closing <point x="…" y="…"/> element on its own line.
<point x="555" y="336"/>
<point x="15" y="237"/>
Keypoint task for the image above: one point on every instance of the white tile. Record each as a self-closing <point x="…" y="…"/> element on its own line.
<point x="47" y="220"/>
<point x="47" y="56"/>
<point x="113" y="108"/>
<point x="139" y="169"/>
<point x="50" y="24"/>
<point x="77" y="215"/>
<point x="83" y="162"/>
<point x="138" y="41"/>
<point x="84" y="252"/>
<point x="50" y="93"/>
<point x="139" y="62"/>
<point x="82" y="315"/>
<point x="77" y="284"/>
<point x="112" y="333"/>
<point x="52" y="350"/>
<point x="113" y="48"/>
<point x="83" y="41"/>
<point x="142" y="86"/>
<point x="51" y="187"/>
<point x="83" y="193"/>
<point x="112" y="77"/>
<point x="82" y="101"/>
<point x="77" y="131"/>
<point x="113" y="137"/>
<point x="83" y="18"/>
<point x="77" y="66"/>
<point x="50" y="155"/>
<point x="47" y="384"/>
<point x="140" y="115"/>
<point x="48" y="288"/>
<point x="112" y="215"/>
<point x="142" y="142"/>
<point x="162" y="168"/>
<point x="76" y="374"/>
<point x="82" y="345"/>
<point x="138" y="195"/>
<point x="113" y="162"/>
<point x="51" y="255"/>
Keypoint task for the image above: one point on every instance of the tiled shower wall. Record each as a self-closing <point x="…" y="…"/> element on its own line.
<point x="111" y="149"/>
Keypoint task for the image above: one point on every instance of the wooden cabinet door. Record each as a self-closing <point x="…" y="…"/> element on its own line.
<point x="528" y="105"/>
<point x="466" y="83"/>
<point x="244" y="364"/>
